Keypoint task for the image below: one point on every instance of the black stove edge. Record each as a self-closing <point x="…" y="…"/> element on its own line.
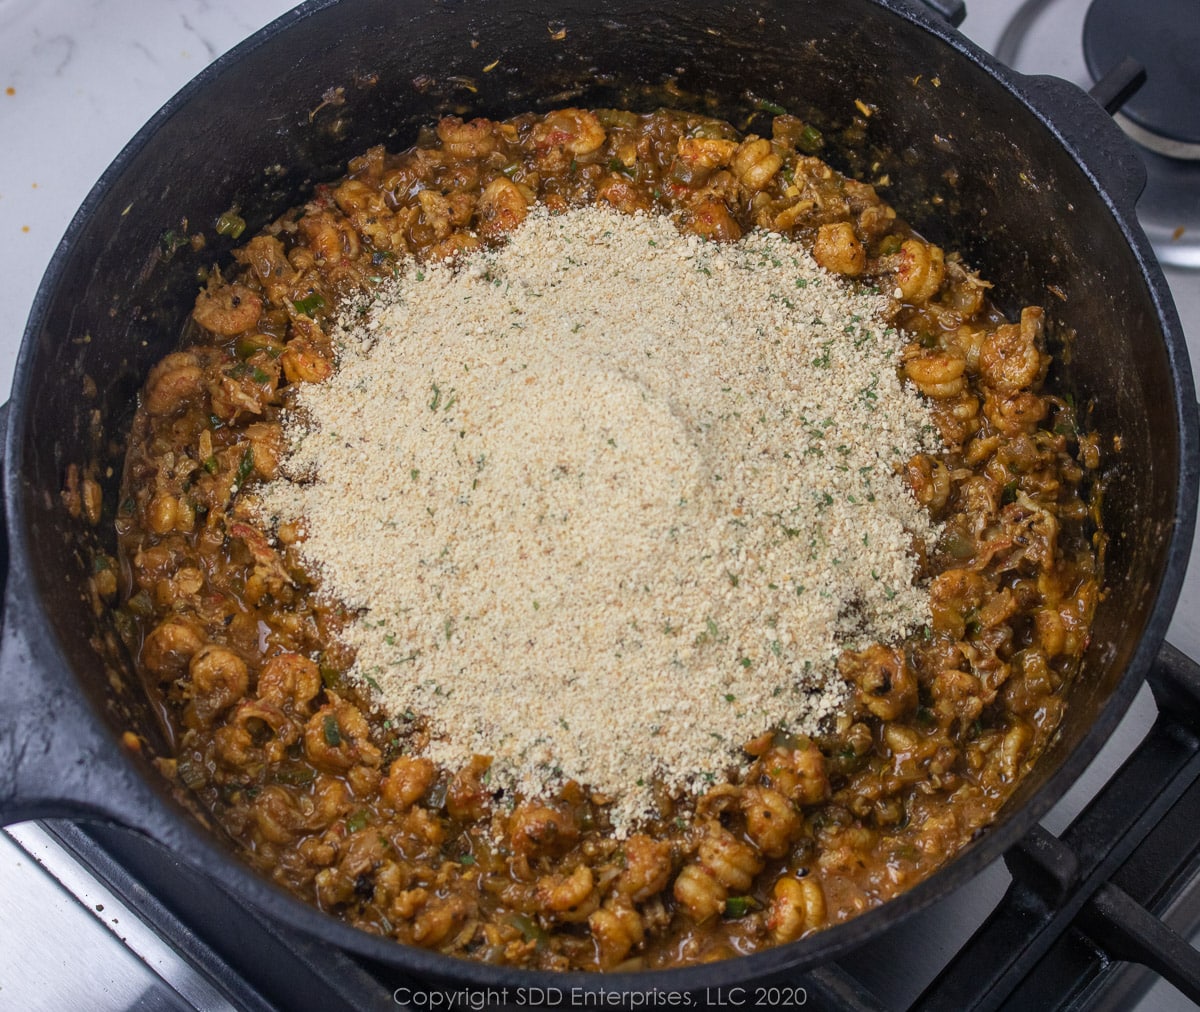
<point x="260" y="967"/>
<point x="1082" y="904"/>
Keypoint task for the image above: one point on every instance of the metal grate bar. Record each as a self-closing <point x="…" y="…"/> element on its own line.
<point x="1128" y="931"/>
<point x="1161" y="877"/>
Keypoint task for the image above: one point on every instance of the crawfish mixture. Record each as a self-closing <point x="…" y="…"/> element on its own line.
<point x="334" y="799"/>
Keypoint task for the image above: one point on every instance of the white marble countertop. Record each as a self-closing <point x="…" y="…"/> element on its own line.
<point x="77" y="80"/>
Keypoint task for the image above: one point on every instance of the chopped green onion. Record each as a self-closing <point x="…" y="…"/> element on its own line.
<point x="528" y="927"/>
<point x="309" y="304"/>
<point x="357" y="821"/>
<point x="771" y="107"/>
<point x="170" y="241"/>
<point x="617" y="118"/>
<point x="245" y="467"/>
<point x="231" y="224"/>
<point x="333" y="733"/>
<point x="810" y="140"/>
<point x="249" y="345"/>
<point x="739" y="906"/>
<point x="295" y="776"/>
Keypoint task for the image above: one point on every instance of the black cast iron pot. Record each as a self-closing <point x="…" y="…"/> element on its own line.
<point x="1026" y="176"/>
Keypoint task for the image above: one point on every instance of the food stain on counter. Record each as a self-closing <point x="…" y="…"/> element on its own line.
<point x="10" y="90"/>
<point x="25" y="228"/>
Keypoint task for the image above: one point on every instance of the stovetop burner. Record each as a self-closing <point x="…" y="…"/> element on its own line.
<point x="1164" y="37"/>
<point x="1163" y="116"/>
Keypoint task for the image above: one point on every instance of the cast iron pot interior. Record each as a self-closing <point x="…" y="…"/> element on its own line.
<point x="1027" y="177"/>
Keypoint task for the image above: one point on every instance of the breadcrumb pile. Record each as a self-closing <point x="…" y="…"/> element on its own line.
<point x="609" y="501"/>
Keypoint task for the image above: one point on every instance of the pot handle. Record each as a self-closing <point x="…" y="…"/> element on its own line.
<point x="954" y="12"/>
<point x="56" y="757"/>
<point x="56" y="760"/>
<point x="1088" y="130"/>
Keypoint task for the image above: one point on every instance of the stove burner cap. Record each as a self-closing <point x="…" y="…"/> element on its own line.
<point x="1164" y="36"/>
